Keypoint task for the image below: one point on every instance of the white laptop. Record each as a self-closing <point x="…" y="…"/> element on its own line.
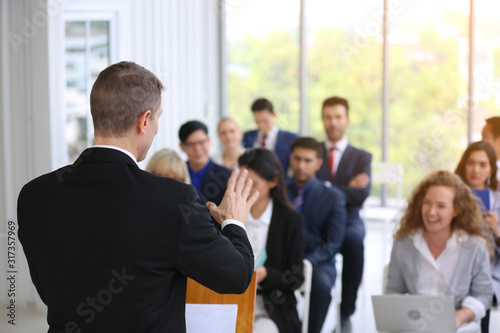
<point x="414" y="313"/>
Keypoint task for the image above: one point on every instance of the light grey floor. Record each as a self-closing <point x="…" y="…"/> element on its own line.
<point x="377" y="250"/>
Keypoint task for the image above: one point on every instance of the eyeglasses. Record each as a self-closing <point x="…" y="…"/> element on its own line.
<point x="191" y="145"/>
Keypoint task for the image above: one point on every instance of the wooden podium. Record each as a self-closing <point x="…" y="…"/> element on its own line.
<point x="198" y="294"/>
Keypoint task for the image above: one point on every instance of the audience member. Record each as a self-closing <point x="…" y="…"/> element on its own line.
<point x="167" y="163"/>
<point x="109" y="246"/>
<point x="275" y="231"/>
<point x="348" y="169"/>
<point x="268" y="135"/>
<point x="230" y="136"/>
<point x="491" y="134"/>
<point x="323" y="211"/>
<point x="440" y="248"/>
<point x="478" y="169"/>
<point x="209" y="178"/>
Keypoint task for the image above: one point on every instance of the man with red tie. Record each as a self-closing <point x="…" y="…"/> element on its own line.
<point x="349" y="170"/>
<point x="268" y="135"/>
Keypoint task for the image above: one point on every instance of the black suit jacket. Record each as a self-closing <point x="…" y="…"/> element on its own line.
<point x="285" y="252"/>
<point x="283" y="145"/>
<point x="109" y="246"/>
<point x="354" y="161"/>
<point x="324" y="214"/>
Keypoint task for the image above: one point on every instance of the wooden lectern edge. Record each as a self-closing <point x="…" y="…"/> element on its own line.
<point x="199" y="294"/>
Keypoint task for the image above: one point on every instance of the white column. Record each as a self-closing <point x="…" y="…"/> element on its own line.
<point x="27" y="128"/>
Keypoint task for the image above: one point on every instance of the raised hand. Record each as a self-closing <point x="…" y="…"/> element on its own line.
<point x="237" y="200"/>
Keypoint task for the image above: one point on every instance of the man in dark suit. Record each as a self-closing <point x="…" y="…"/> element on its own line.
<point x="109" y="245"/>
<point x="349" y="169"/>
<point x="268" y="135"/>
<point x="323" y="209"/>
<point x="207" y="177"/>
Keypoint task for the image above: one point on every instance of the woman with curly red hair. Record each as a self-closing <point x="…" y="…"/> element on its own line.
<point x="440" y="248"/>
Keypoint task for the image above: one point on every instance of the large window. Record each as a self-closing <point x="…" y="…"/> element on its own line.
<point x="344" y="54"/>
<point x="428" y="54"/>
<point x="486" y="63"/>
<point x="429" y="73"/>
<point x="263" y="59"/>
<point x="88" y="50"/>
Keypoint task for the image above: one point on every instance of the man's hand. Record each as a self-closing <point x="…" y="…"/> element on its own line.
<point x="359" y="181"/>
<point x="237" y="200"/>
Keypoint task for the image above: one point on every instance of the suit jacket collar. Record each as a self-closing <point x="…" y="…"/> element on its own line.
<point x="324" y="172"/>
<point x="412" y="257"/>
<point x="99" y="154"/>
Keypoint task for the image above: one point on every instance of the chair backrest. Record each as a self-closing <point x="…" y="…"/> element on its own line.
<point x="388" y="173"/>
<point x="198" y="294"/>
<point x="305" y="289"/>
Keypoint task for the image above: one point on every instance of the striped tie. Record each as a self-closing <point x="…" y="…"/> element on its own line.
<point x="263" y="142"/>
<point x="299" y="200"/>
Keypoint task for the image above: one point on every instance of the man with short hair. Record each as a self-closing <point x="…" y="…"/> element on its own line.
<point x="207" y="177"/>
<point x="268" y="135"/>
<point x="491" y="134"/>
<point x="109" y="246"/>
<point x="349" y="169"/>
<point x="323" y="209"/>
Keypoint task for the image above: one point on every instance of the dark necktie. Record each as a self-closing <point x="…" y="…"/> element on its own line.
<point x="263" y="142"/>
<point x="299" y="200"/>
<point x="332" y="161"/>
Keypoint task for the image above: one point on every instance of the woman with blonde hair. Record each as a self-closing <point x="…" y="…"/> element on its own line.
<point x="230" y="136"/>
<point x="440" y="248"/>
<point x="167" y="163"/>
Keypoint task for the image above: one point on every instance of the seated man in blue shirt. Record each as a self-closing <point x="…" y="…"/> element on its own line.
<point x="323" y="209"/>
<point x="209" y="178"/>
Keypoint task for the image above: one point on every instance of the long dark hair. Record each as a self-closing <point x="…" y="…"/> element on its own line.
<point x="267" y="165"/>
<point x="490" y="152"/>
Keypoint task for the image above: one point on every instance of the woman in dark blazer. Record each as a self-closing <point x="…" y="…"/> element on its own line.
<point x="275" y="231"/>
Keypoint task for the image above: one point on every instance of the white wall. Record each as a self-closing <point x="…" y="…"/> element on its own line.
<point x="177" y="40"/>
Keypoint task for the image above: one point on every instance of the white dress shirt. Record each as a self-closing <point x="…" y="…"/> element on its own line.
<point x="257" y="228"/>
<point x="436" y="274"/>
<point x="337" y="153"/>
<point x="271" y="139"/>
<point x="119" y="149"/>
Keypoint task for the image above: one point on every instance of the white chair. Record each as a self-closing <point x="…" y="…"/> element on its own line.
<point x="303" y="295"/>
<point x="305" y="291"/>
<point x="337" y="290"/>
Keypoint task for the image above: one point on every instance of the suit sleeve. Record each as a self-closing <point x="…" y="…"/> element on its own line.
<point x="334" y="230"/>
<point x="293" y="276"/>
<point x="248" y="139"/>
<point x="25" y="236"/>
<point x="395" y="279"/>
<point x="356" y="196"/>
<point x="481" y="285"/>
<point x="223" y="261"/>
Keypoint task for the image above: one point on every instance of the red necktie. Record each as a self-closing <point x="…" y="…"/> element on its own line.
<point x="332" y="160"/>
<point x="263" y="142"/>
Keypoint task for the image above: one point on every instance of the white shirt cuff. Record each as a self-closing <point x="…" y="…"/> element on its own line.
<point x="230" y="221"/>
<point x="475" y="305"/>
